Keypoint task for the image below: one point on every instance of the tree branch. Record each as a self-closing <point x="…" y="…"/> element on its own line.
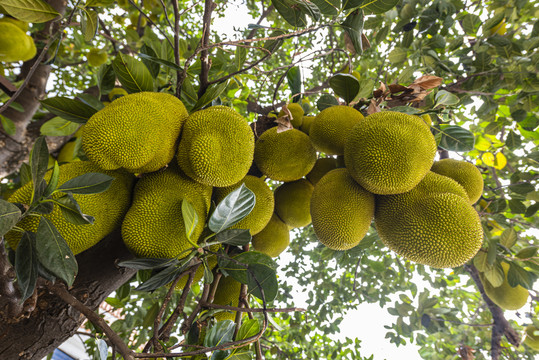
<point x="205" y="62"/>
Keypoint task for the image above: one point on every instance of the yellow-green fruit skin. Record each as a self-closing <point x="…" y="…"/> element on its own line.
<point x="20" y="24"/>
<point x="321" y="168"/>
<point x="306" y="124"/>
<point x="297" y="114"/>
<point x="273" y="239"/>
<point x="389" y="153"/>
<point x="284" y="156"/>
<point x="117" y="93"/>
<point x="108" y="208"/>
<point x="259" y="217"/>
<point x="465" y="173"/>
<point x="96" y="57"/>
<point x="532" y="340"/>
<point x="341" y="210"/>
<point x="506" y="296"/>
<point x="15" y="45"/>
<point x="292" y="203"/>
<point x="227" y="293"/>
<point x="433" y="224"/>
<point x="331" y="128"/>
<point x="154" y="226"/>
<point x="137" y="132"/>
<point x="216" y="146"/>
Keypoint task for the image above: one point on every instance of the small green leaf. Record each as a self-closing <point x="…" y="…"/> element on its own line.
<point x="262" y="276"/>
<point x="26" y="265"/>
<point x="91" y="101"/>
<point x="155" y="59"/>
<point x="39" y="162"/>
<point x="513" y="140"/>
<point x="161" y="278"/>
<point x="522" y="188"/>
<point x="455" y="138"/>
<point x="345" y="85"/>
<point x="8" y="125"/>
<point x="233" y="208"/>
<point x="151" y="315"/>
<point x="379" y="6"/>
<point x="32" y="11"/>
<point x="518" y="276"/>
<point x="527" y="252"/>
<point x="190" y="217"/>
<point x="106" y="78"/>
<point x="237" y="266"/>
<point x="508" y="238"/>
<point x="235" y="237"/>
<point x="353" y="26"/>
<point x="58" y="127"/>
<point x="89" y="183"/>
<point x="212" y="92"/>
<point x="53" y="182"/>
<point x="328" y="7"/>
<point x="89" y="23"/>
<point x="446" y="98"/>
<point x="397" y="55"/>
<point x="148" y="263"/>
<point x="69" y="109"/>
<point x="295" y="12"/>
<point x="273" y="45"/>
<point x="293" y="76"/>
<point x="495" y="275"/>
<point x="326" y="101"/>
<point x="9" y="216"/>
<point x="71" y="210"/>
<point x="220" y="333"/>
<point x="240" y="56"/>
<point x="150" y="62"/>
<point x="249" y="328"/>
<point x="208" y="274"/>
<point x="132" y="74"/>
<point x="517" y="206"/>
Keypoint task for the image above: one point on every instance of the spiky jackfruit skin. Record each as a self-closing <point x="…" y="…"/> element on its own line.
<point x="506" y="296"/>
<point x="531" y="339"/>
<point x="273" y="239"/>
<point x="284" y="156"/>
<point x="15" y="45"/>
<point x="433" y="224"/>
<point x="216" y="147"/>
<point x="292" y="203"/>
<point x="331" y="128"/>
<point x="259" y="217"/>
<point x="306" y="124"/>
<point x="341" y="210"/>
<point x="389" y="153"/>
<point x="154" y="226"/>
<point x="465" y="173"/>
<point x="297" y="114"/>
<point x="227" y="293"/>
<point x="108" y="208"/>
<point x="321" y="168"/>
<point x="136" y="132"/>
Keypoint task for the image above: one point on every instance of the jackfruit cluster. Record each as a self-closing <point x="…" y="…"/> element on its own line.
<point x="505" y="296"/>
<point x="15" y="44"/>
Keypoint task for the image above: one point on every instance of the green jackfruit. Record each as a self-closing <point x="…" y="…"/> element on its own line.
<point x="506" y="296"/>
<point x="433" y="224"/>
<point x="321" y="168"/>
<point x="216" y="146"/>
<point x="227" y="293"/>
<point x="292" y="203"/>
<point x="331" y="128"/>
<point x="15" y="45"/>
<point x="284" y="156"/>
<point x="306" y="124"/>
<point x="96" y="57"/>
<point x="273" y="239"/>
<point x="532" y="337"/>
<point x="154" y="226"/>
<point x="389" y="153"/>
<point x="117" y="93"/>
<point x="297" y="114"/>
<point x="108" y="208"/>
<point x="259" y="217"/>
<point x="465" y="173"/>
<point x="137" y="132"/>
<point x="23" y="25"/>
<point x="69" y="152"/>
<point x="341" y="210"/>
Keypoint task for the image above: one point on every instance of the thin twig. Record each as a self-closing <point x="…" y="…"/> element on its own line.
<point x="204" y="53"/>
<point x="177" y="46"/>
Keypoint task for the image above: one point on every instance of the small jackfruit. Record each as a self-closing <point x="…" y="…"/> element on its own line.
<point x="532" y="337"/>
<point x="136" y="132"/>
<point x="216" y="146"/>
<point x="117" y="93"/>
<point x="465" y="173"/>
<point x="227" y="293"/>
<point x="15" y="45"/>
<point x="154" y="226"/>
<point x="433" y="224"/>
<point x="108" y="208"/>
<point x="506" y="296"/>
<point x="297" y="114"/>
<point x="306" y="124"/>
<point x="284" y="156"/>
<point x="292" y="203"/>
<point x="70" y="151"/>
<point x="331" y="128"/>
<point x="341" y="210"/>
<point x="259" y="217"/>
<point x="321" y="168"/>
<point x="389" y="152"/>
<point x="273" y="239"/>
<point x="96" y="57"/>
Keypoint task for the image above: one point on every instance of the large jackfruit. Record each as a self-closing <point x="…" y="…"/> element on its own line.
<point x="273" y="239"/>
<point x="216" y="146"/>
<point x="292" y="203"/>
<point x="108" y="208"/>
<point x="433" y="224"/>
<point x="227" y="293"/>
<point x="284" y="156"/>
<point x="331" y="128"/>
<point x="341" y="210"/>
<point x="389" y="152"/>
<point x="505" y="296"/>
<point x="297" y="114"/>
<point x="15" y="45"/>
<point x="154" y="226"/>
<point x="532" y="337"/>
<point x="465" y="173"/>
<point x="137" y="132"/>
<point x="259" y="217"/>
<point x="321" y="168"/>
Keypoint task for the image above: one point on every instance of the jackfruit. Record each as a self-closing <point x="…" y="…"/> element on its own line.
<point x="297" y="114"/>
<point x="506" y="296"/>
<point x="532" y="337"/>
<point x="284" y="156"/>
<point x="321" y="168"/>
<point x="259" y="217"/>
<point x="389" y="152"/>
<point x="96" y="57"/>
<point x="306" y="124"/>
<point x="216" y="146"/>
<point x="136" y="132"/>
<point x="465" y="173"/>
<point x="108" y="208"/>
<point x="341" y="210"/>
<point x="23" y="25"/>
<point x="70" y="151"/>
<point x="433" y="224"/>
<point x="15" y="45"/>
<point x="227" y="293"/>
<point x="154" y="226"/>
<point x="331" y="128"/>
<point x="117" y="93"/>
<point x="273" y="239"/>
<point x="292" y="203"/>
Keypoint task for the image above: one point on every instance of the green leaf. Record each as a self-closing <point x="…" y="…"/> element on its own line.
<point x="219" y="334"/>
<point x="132" y="74"/>
<point x="148" y="263"/>
<point x="353" y="26"/>
<point x="89" y="183"/>
<point x="8" y="125"/>
<point x="493" y="21"/>
<point x="235" y="237"/>
<point x="39" y="162"/>
<point x="327" y="7"/>
<point x="480" y="261"/>
<point x="293" y="76"/>
<point x="345" y="85"/>
<point x="249" y="328"/>
<point x="397" y="55"/>
<point x="531" y="210"/>
<point x="326" y="101"/>
<point x="273" y="45"/>
<point x="379" y="6"/>
<point x="161" y="278"/>
<point x="58" y="127"/>
<point x="516" y="206"/>
<point x="233" y="208"/>
<point x="190" y="217"/>
<point x="53" y="252"/>
<point x="106" y="78"/>
<point x="99" y="3"/>
<point x="295" y="12"/>
<point x="351" y="4"/>
<point x="53" y="181"/>
<point x="446" y="98"/>
<point x="522" y="188"/>
<point x="69" y="109"/>
<point x="527" y="252"/>
<point x="518" y="276"/>
<point x="157" y="60"/>
<point x="71" y="210"/>
<point x="241" y="354"/>
<point x="495" y="275"/>
<point x="208" y="274"/>
<point x="470" y="23"/>
<point x="262" y="276"/>
<point x="513" y="140"/>
<point x="456" y="138"/>
<point x="237" y="267"/>
<point x="89" y="23"/>
<point x="91" y="100"/>
<point x="240" y="57"/>
<point x="212" y="92"/>
<point x="151" y="315"/>
<point x="9" y="216"/>
<point x="152" y="65"/>
<point x="32" y="11"/>
<point x="508" y="238"/>
<point x="26" y="265"/>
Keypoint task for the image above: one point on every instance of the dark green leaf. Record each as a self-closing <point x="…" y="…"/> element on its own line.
<point x="517" y="206"/>
<point x="89" y="183"/>
<point x="32" y="11"/>
<point x="241" y="354"/>
<point x="9" y="216"/>
<point x="71" y="211"/>
<point x="249" y="328"/>
<point x="492" y="253"/>
<point x="527" y="252"/>
<point x="54" y="253"/>
<point x="190" y="217"/>
<point x="212" y="92"/>
<point x="326" y="101"/>
<point x="273" y="45"/>
<point x="26" y="265"/>
<point x="220" y="333"/>
<point x="8" y="125"/>
<point x="522" y="188"/>
<point x="293" y="77"/>
<point x="53" y="181"/>
<point x="531" y="210"/>
<point x="89" y="23"/>
<point x="151" y="315"/>
<point x="470" y="23"/>
<point x="508" y="238"/>
<point x="99" y="3"/>
<point x="148" y="263"/>
<point x="106" y="78"/>
<point x="132" y="74"/>
<point x="91" y="100"/>
<point x="379" y="6"/>
<point x="155" y="59"/>
<point x="69" y="109"/>
<point x="262" y="276"/>
<point x="240" y="56"/>
<point x="353" y="26"/>
<point x="456" y="138"/>
<point x="161" y="278"/>
<point x="208" y="274"/>
<point x="350" y="4"/>
<point x="328" y="7"/>
<point x="236" y="237"/>
<point x="152" y="64"/>
<point x="237" y="268"/>
<point x="233" y="208"/>
<point x="345" y="85"/>
<point x="295" y="12"/>
<point x="513" y="140"/>
<point x="518" y="276"/>
<point x="39" y="162"/>
<point x="446" y="98"/>
<point x="58" y="127"/>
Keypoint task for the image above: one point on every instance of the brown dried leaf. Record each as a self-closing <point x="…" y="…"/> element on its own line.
<point x="348" y="44"/>
<point x="377" y="93"/>
<point x="365" y="42"/>
<point x="420" y="96"/>
<point x="283" y="123"/>
<point x="415" y="88"/>
<point x="396" y="88"/>
<point x="373" y="107"/>
<point x="429" y="81"/>
<point x="466" y="352"/>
